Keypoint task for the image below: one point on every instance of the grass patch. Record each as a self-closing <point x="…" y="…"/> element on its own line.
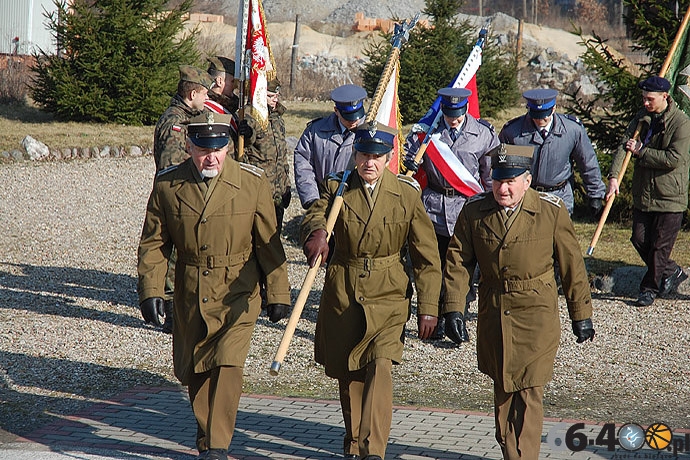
<point x="614" y="250"/>
<point x="17" y="121"/>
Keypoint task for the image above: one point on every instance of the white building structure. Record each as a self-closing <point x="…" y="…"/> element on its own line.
<point x="23" y="26"/>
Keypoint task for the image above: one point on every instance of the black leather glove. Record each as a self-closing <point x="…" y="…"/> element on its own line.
<point x="596" y="206"/>
<point x="583" y="330"/>
<point x="244" y="129"/>
<point x="455" y="327"/>
<point x="287" y="197"/>
<point x="153" y="310"/>
<point x="316" y="245"/>
<point x="411" y="165"/>
<point x="277" y="311"/>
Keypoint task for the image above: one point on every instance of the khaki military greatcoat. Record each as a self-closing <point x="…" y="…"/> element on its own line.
<point x="518" y="326"/>
<point x="224" y="243"/>
<point x="367" y="293"/>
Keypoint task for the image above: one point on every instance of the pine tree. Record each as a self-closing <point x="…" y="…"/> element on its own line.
<point x="433" y="57"/>
<point x="652" y="24"/>
<point x="117" y="60"/>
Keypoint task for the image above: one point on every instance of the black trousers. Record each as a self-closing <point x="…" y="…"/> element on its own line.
<point x="653" y="237"/>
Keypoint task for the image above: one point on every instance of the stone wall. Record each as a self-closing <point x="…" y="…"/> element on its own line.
<point x="35" y="150"/>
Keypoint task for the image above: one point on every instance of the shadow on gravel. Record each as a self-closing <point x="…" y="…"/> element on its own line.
<point x="46" y="390"/>
<point x="291" y="229"/>
<point x="54" y="290"/>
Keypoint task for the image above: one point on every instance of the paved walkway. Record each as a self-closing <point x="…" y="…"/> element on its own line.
<point x="157" y="423"/>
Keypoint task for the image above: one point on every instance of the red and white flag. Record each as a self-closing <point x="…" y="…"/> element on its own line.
<point x="257" y="50"/>
<point x="451" y="168"/>
<point x="389" y="115"/>
<point x="453" y="171"/>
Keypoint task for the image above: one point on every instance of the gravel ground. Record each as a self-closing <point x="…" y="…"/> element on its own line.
<point x="71" y="333"/>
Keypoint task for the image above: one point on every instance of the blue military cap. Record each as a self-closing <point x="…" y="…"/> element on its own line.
<point x="374" y="137"/>
<point x="508" y="161"/>
<point x="454" y="101"/>
<point x="540" y="102"/>
<point x="349" y="100"/>
<point x="655" y="85"/>
<point x="209" y="130"/>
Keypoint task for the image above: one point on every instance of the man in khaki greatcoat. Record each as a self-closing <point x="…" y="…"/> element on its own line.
<point x="367" y="294"/>
<point x="516" y="234"/>
<point x="169" y="139"/>
<point x="219" y="215"/>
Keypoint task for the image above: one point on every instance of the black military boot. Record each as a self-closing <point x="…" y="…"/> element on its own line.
<point x="217" y="454"/>
<point x="168" y="323"/>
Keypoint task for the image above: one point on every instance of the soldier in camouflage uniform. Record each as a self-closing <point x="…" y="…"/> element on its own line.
<point x="170" y="134"/>
<point x="222" y="98"/>
<point x="266" y="148"/>
<point x="169" y="139"/>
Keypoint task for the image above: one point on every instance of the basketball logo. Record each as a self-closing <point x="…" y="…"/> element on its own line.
<point x="658" y="436"/>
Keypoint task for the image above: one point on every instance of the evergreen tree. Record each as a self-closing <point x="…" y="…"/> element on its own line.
<point x="434" y="56"/>
<point x="652" y="24"/>
<point x="117" y="60"/>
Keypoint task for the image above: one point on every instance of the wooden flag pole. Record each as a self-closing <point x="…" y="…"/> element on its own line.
<point x="241" y="64"/>
<point x="400" y="36"/>
<point x="308" y="282"/>
<point x="636" y="135"/>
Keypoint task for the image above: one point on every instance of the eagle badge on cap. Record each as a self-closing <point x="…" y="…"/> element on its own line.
<point x="209" y="118"/>
<point x="502" y="153"/>
<point x="372" y="128"/>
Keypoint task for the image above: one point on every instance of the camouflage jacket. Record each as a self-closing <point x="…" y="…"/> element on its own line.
<point x="267" y="149"/>
<point x="170" y="134"/>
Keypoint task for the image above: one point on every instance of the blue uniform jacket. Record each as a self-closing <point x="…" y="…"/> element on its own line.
<point x="320" y="150"/>
<point x="471" y="147"/>
<point x="552" y="164"/>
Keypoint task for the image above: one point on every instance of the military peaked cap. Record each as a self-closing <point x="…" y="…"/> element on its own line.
<point x="209" y="130"/>
<point x="508" y="161"/>
<point x="273" y="86"/>
<point x="454" y="101"/>
<point x="540" y="102"/>
<point x="221" y="64"/>
<point x="349" y="100"/>
<point x="375" y="138"/>
<point x="195" y="75"/>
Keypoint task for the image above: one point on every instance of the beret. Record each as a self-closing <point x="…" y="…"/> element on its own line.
<point x="655" y="84"/>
